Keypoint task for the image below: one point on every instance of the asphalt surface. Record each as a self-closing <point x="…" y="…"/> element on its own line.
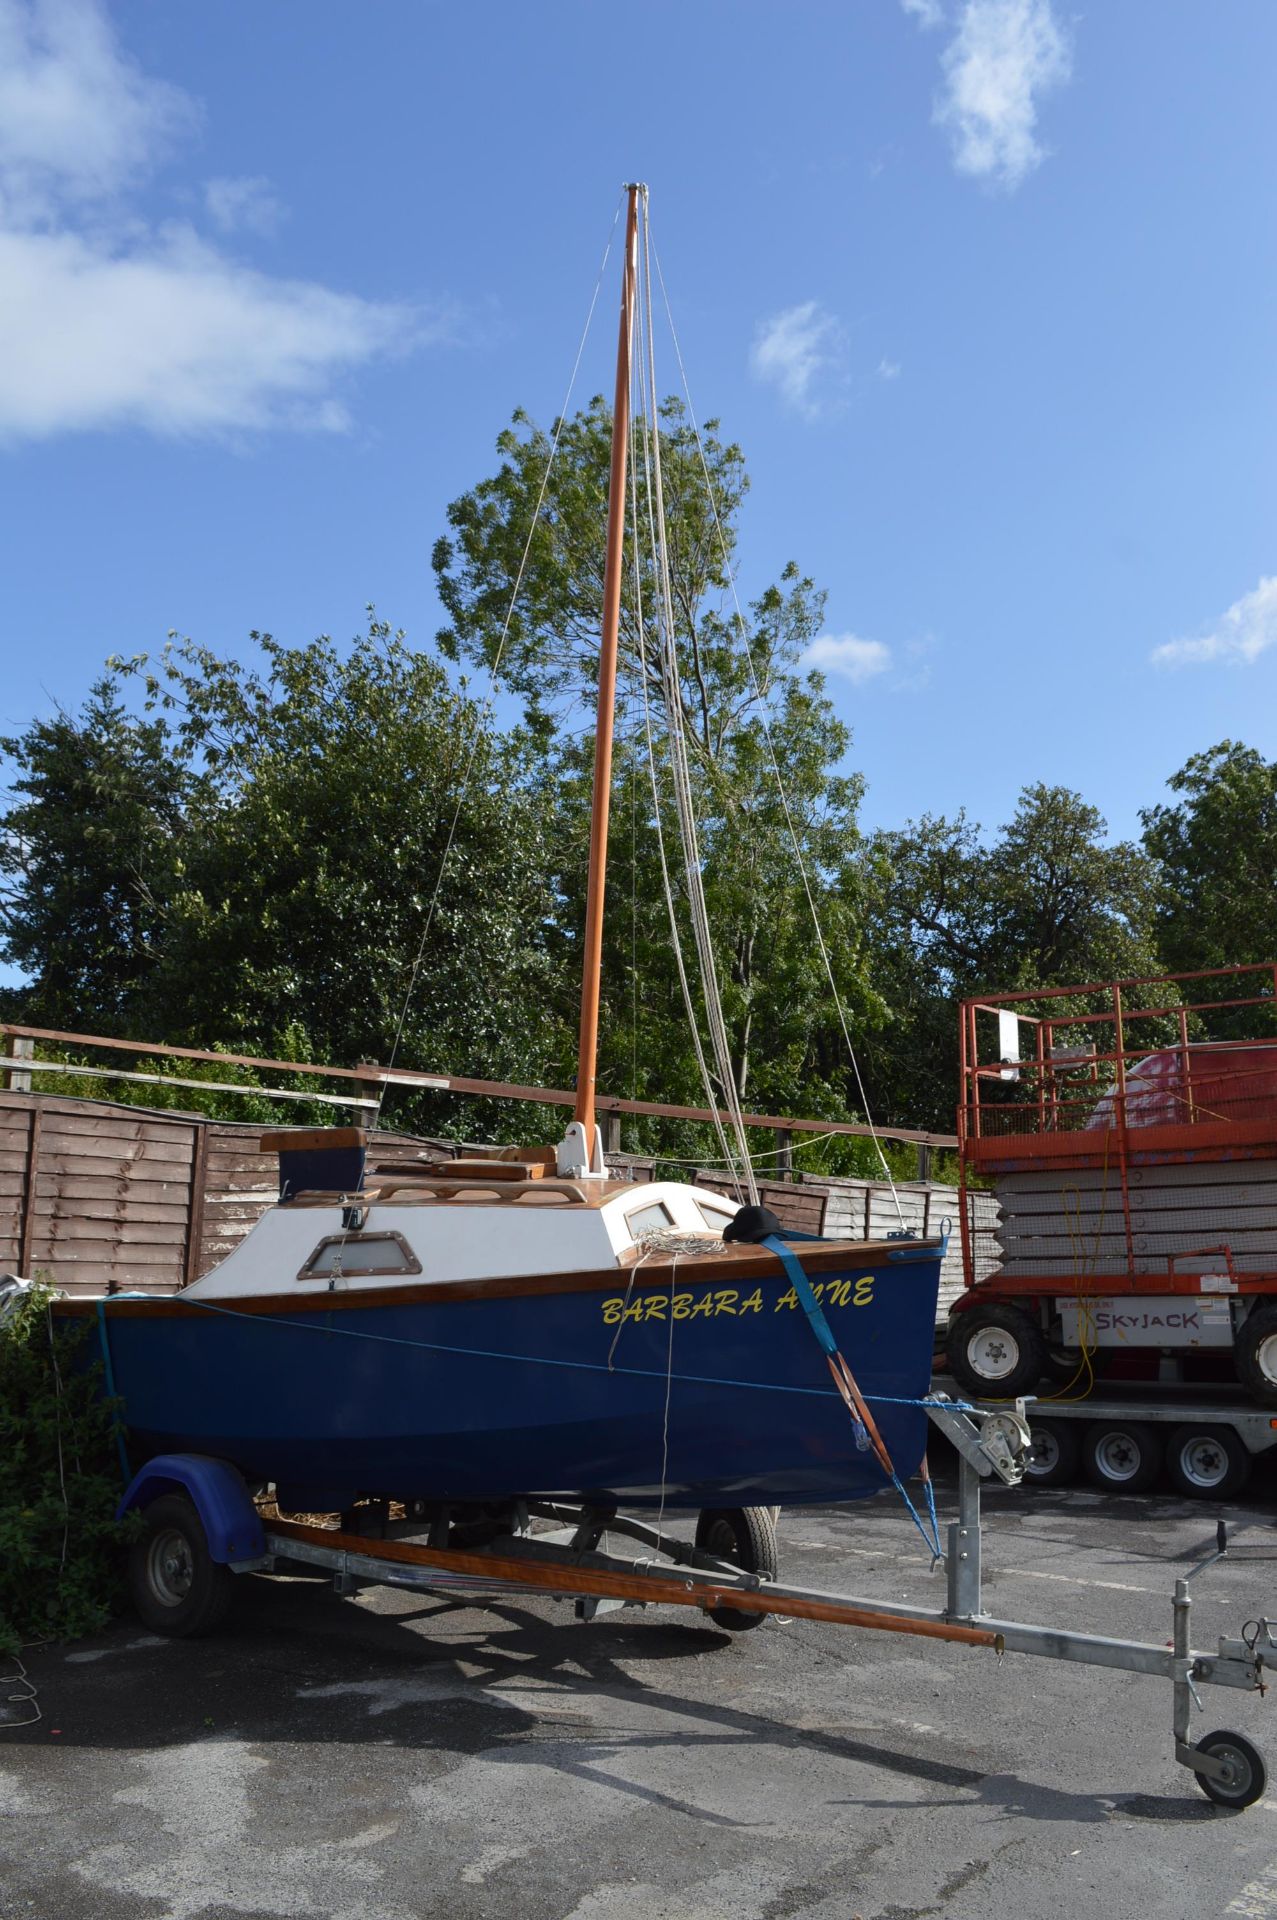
<point x="395" y="1757"/>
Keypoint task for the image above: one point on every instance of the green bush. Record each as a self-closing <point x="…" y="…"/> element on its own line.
<point x="61" y="1546"/>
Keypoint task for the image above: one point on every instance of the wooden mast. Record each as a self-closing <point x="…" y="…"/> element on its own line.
<point x="592" y="958"/>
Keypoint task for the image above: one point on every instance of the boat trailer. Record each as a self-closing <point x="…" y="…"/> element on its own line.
<point x="201" y="1525"/>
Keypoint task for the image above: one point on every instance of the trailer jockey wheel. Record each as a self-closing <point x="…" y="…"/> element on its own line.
<point x="1245" y="1774"/>
<point x="997" y="1351"/>
<point x="1255" y="1355"/>
<point x="1122" y="1456"/>
<point x="747" y="1537"/>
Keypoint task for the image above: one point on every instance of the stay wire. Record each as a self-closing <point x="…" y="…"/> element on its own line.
<point x="486" y="710"/>
<point x="707" y="1083"/>
<point x="679" y="767"/>
<point x="767" y="735"/>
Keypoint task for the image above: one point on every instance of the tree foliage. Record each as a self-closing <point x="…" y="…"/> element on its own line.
<point x="1216" y="850"/>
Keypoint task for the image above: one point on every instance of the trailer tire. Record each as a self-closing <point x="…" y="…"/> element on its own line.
<point x="747" y="1537"/>
<point x="175" y="1584"/>
<point x="1255" y="1355"/>
<point x="1122" y="1456"/>
<point x="996" y="1351"/>
<point x="1207" y="1463"/>
<point x="1055" y="1452"/>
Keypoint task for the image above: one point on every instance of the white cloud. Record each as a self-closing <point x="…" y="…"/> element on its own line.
<point x="1004" y="54"/>
<point x="107" y="321"/>
<point x="77" y="118"/>
<point x="848" y="655"/>
<point x="797" y="351"/>
<point x="888" y="369"/>
<point x="1238" y="637"/>
<point x="173" y="338"/>
<point x="243" y="202"/>
<point x="928" y="13"/>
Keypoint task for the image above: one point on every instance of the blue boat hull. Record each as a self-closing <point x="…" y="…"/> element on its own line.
<point x="689" y="1391"/>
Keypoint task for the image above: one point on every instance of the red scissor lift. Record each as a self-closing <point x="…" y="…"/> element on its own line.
<point x="1118" y="1151"/>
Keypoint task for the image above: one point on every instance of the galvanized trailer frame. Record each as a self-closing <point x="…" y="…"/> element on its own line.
<point x="566" y="1561"/>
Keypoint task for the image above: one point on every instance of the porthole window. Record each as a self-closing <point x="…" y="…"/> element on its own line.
<point x="649" y="1219"/>
<point x="715" y="1217"/>
<point x="360" y="1253"/>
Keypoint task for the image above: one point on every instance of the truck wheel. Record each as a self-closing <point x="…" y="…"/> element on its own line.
<point x="1255" y="1355"/>
<point x="1207" y="1463"/>
<point x="747" y="1537"/>
<point x="176" y="1586"/>
<point x="1122" y="1456"/>
<point x="996" y="1352"/>
<point x="1055" y="1449"/>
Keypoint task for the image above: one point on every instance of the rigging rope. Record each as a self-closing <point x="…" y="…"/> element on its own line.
<point x="680" y="770"/>
<point x="486" y="709"/>
<point x="767" y="733"/>
<point x="711" y="1096"/>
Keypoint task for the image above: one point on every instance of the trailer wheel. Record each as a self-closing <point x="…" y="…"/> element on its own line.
<point x="997" y="1350"/>
<point x="747" y="1537"/>
<point x="1255" y="1355"/>
<point x="1122" y="1456"/>
<point x="1207" y="1463"/>
<point x="1055" y="1450"/>
<point x="1247" y="1774"/>
<point x="175" y="1584"/>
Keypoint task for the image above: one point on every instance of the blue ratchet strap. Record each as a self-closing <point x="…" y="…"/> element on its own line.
<point x="824" y="1334"/>
<point x="109" y="1371"/>
<point x="815" y="1318"/>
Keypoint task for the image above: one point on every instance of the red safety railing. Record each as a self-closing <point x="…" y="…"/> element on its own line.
<point x="1070" y="1095"/>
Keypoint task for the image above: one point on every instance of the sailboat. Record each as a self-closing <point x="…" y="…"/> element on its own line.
<point x="527" y="1324"/>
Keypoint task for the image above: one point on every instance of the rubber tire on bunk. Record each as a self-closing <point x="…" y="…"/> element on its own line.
<point x="1255" y="1355"/>
<point x="1250" y="1775"/>
<point x="1017" y="1347"/>
<point x="1055" y="1453"/>
<point x="1207" y="1463"/>
<point x="175" y="1584"/>
<point x="1122" y="1456"/>
<point x="747" y="1537"/>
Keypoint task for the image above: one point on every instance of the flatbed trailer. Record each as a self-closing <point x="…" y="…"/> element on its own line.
<point x="1210" y="1442"/>
<point x="200" y="1526"/>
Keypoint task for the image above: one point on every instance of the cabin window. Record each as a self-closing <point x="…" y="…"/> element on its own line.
<point x="649" y="1219"/>
<point x="715" y="1217"/>
<point x="360" y="1253"/>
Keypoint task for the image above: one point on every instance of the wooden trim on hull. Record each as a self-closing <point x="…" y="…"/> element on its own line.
<point x="753" y="1263"/>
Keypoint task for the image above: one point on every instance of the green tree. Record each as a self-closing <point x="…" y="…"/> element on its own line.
<point x="89" y="848"/>
<point x="746" y="703"/>
<point x="1216" y="850"/>
<point x="1050" y="902"/>
<point x="364" y="840"/>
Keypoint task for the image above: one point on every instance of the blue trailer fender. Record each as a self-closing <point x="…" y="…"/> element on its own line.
<point x="232" y="1525"/>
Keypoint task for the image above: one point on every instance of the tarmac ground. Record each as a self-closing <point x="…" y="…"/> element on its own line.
<point x="403" y="1757"/>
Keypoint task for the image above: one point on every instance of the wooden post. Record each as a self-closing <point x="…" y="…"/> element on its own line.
<point x="924" y="1160"/>
<point x="28" y="1194"/>
<point x="15" y="1080"/>
<point x="784" y="1154"/>
<point x="611" y="1134"/>
<point x="195" y="1202"/>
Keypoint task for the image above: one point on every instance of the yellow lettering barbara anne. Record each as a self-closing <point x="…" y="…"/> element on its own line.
<point x="864" y="1293"/>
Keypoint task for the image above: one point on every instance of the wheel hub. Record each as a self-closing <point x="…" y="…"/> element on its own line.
<point x="170" y="1568"/>
<point x="994" y="1353"/>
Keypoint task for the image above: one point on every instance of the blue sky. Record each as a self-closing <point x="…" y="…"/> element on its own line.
<point x="984" y="288"/>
